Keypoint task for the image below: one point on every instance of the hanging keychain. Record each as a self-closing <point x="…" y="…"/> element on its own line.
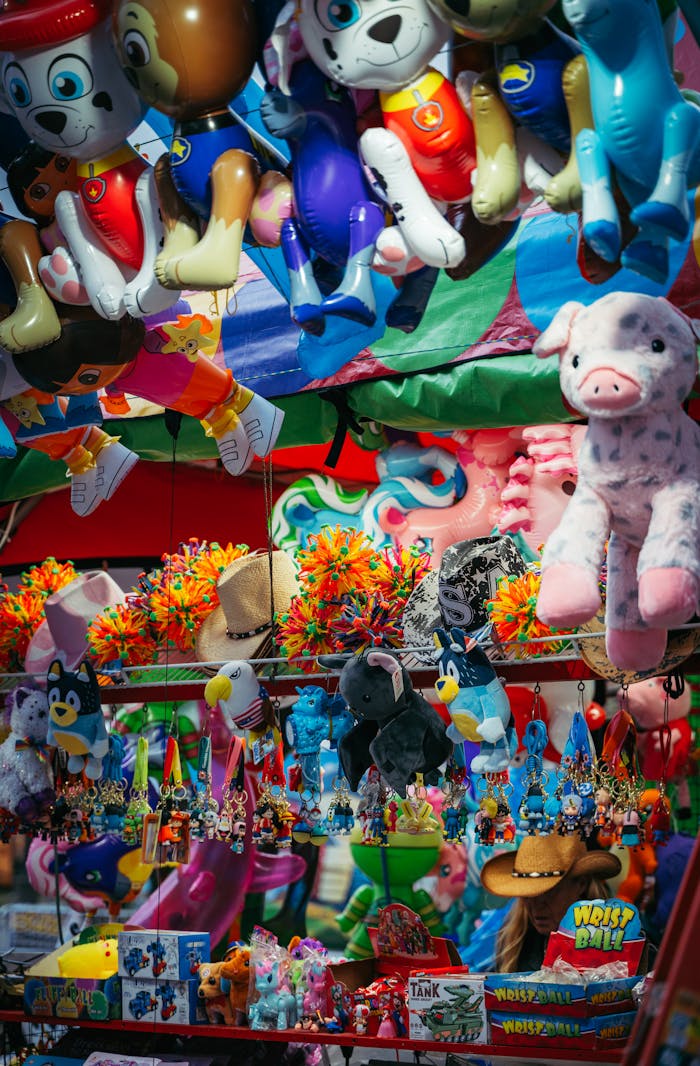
<point x="232" y="821"/>
<point x="340" y="816"/>
<point x="138" y="806"/>
<point x="533" y="808"/>
<point x="493" y="821"/>
<point x="166" y="831"/>
<point x="659" y="824"/>
<point x="454" y="811"/>
<point x="204" y="810"/>
<point x="622" y="775"/>
<point x="416" y="811"/>
<point x="110" y="804"/>
<point x="577" y="777"/>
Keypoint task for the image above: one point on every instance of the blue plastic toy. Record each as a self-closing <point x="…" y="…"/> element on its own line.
<point x="646" y="135"/>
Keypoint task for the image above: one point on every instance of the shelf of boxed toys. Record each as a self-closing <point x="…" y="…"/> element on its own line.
<point x="497" y="1053"/>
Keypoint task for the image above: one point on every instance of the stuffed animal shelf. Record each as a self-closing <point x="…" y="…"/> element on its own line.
<point x="627" y="362"/>
<point x="396" y="728"/>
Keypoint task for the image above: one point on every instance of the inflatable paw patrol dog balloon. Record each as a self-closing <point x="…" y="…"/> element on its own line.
<point x="188" y="59"/>
<point x="62" y="80"/>
<point x="424" y="151"/>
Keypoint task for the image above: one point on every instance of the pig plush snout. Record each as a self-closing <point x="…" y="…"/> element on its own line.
<point x="606" y="389"/>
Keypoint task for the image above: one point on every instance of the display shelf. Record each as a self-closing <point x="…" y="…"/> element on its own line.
<point x="521" y="672"/>
<point x="499" y="1053"/>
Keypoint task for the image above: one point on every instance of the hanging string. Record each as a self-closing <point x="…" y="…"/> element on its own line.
<point x="267" y="501"/>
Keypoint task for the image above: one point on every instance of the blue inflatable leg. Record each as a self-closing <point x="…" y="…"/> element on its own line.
<point x="410" y="460"/>
<point x="666" y="210"/>
<point x="601" y="222"/>
<point x="305" y="296"/>
<point x="354" y="297"/>
<point x="647" y="255"/>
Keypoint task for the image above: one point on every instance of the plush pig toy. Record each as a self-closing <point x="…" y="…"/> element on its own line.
<point x="627" y="362"/>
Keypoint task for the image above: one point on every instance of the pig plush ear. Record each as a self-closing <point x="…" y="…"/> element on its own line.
<point x="556" y="336"/>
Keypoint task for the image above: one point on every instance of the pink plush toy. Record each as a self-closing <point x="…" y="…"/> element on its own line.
<point x="627" y="362"/>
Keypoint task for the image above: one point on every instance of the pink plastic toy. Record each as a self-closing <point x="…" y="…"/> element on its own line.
<point x="485" y="456"/>
<point x="541" y="483"/>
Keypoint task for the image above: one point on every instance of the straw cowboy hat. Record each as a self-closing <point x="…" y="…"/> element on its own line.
<point x="69" y="612"/>
<point x="240" y="627"/>
<point x="681" y="644"/>
<point x="455" y="594"/>
<point x="541" y="862"/>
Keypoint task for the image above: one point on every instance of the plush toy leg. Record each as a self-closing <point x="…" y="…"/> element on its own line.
<point x="34" y="322"/>
<point x="666" y="210"/>
<point x="497" y="187"/>
<point x="213" y="262"/>
<point x="430" y="236"/>
<point x="572" y="560"/>
<point x="354" y="297"/>
<point x="601" y="223"/>
<point x="564" y="192"/>
<point x="144" y="295"/>
<point x="629" y="643"/>
<point x="669" y="566"/>
<point x="668" y="597"/>
<point x="101" y="275"/>
<point x="304" y="296"/>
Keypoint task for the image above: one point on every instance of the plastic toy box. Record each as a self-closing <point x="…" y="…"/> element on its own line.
<point x="447" y="1006"/>
<point x="49" y="995"/>
<point x="565" y="1031"/>
<point x="176" y="956"/>
<point x="162" y="1000"/>
<point x="511" y="993"/>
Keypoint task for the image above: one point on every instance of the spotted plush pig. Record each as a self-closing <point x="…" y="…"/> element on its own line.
<point x="627" y="362"/>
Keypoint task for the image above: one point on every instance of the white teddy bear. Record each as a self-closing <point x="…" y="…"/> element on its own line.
<point x="25" y="765"/>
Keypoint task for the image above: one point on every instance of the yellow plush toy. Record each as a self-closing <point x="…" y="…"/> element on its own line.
<point x="96" y="959"/>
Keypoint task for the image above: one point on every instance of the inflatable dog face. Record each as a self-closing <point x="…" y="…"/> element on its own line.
<point x="186" y="56"/>
<point x="72" y="98"/>
<point x="371" y="45"/>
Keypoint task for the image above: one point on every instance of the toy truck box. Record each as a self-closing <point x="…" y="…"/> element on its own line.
<point x="50" y="994"/>
<point x="447" y="1007"/>
<point x="161" y="1000"/>
<point x="511" y="992"/>
<point x="175" y="956"/>
<point x="536" y="1030"/>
